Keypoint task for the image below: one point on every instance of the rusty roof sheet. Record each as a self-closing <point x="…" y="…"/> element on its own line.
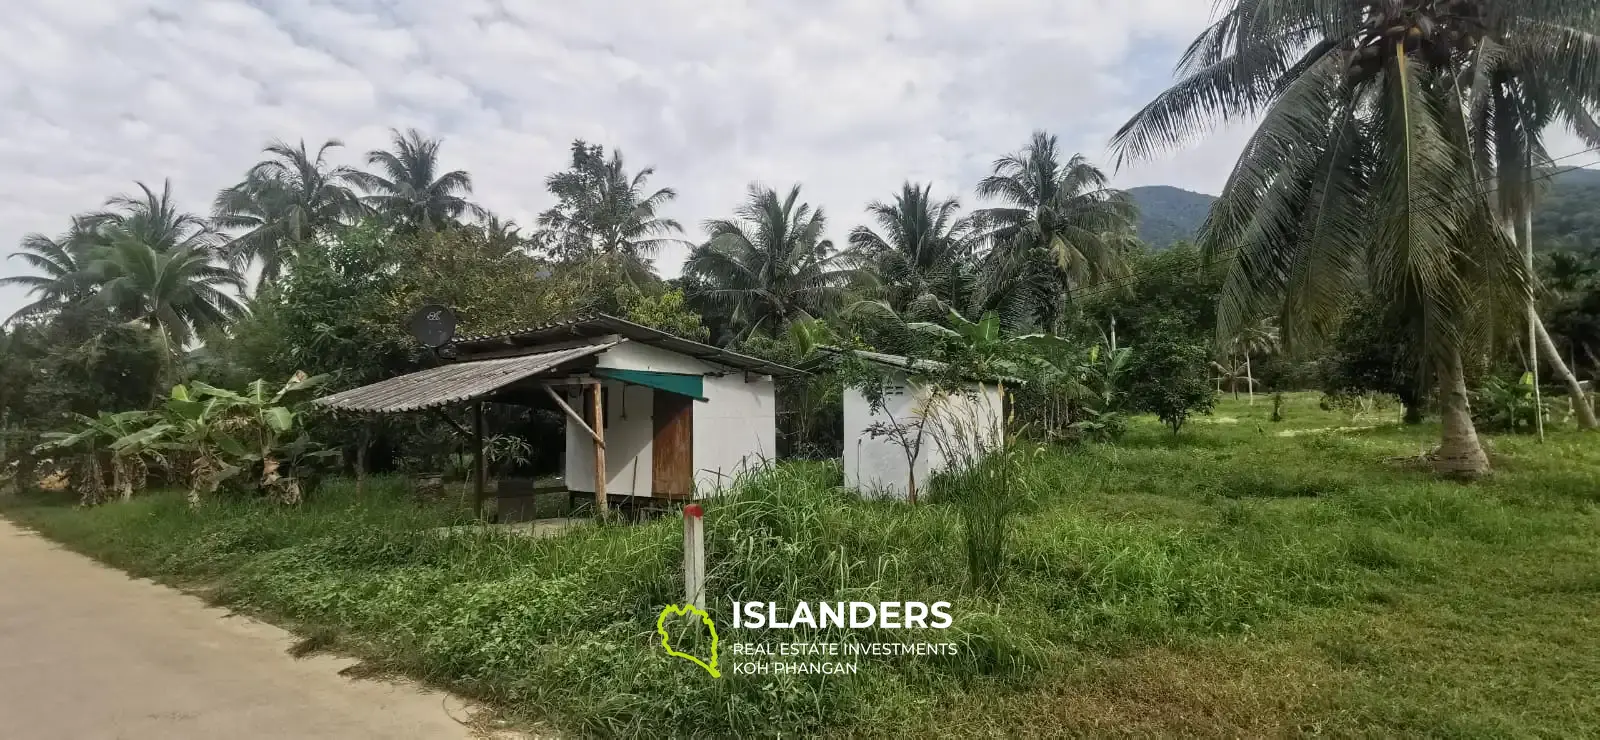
<point x="901" y="362"/>
<point x="452" y="383"/>
<point x="599" y="324"/>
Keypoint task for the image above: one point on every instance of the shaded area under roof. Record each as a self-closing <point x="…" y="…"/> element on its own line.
<point x="453" y="383"/>
<point x="598" y="325"/>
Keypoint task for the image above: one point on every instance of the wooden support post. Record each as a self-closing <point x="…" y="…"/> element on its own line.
<point x="601" y="507"/>
<point x="363" y="441"/>
<point x="694" y="556"/>
<point x="480" y="466"/>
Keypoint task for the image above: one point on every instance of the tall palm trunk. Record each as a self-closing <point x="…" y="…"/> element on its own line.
<point x="1541" y="338"/>
<point x="1249" y="379"/>
<point x="1460" y="454"/>
<point x="1580" y="401"/>
<point x="1525" y="238"/>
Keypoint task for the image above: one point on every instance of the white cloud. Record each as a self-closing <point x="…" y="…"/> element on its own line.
<point x="847" y="97"/>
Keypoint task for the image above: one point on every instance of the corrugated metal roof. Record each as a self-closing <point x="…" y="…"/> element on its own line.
<point x="899" y="361"/>
<point x="902" y="362"/>
<point x="602" y="324"/>
<point x="452" y="383"/>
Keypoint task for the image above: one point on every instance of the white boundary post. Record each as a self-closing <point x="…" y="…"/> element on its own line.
<point x="694" y="556"/>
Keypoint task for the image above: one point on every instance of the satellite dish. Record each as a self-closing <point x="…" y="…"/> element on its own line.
<point x="433" y="325"/>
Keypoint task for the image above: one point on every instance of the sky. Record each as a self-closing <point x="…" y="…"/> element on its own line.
<point x="848" y="98"/>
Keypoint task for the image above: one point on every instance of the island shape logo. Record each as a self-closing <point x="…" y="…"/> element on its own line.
<point x="666" y="640"/>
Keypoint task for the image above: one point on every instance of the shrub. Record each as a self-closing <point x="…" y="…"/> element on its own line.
<point x="1502" y="406"/>
<point x="1168" y="375"/>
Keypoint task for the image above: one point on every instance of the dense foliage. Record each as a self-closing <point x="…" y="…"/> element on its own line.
<point x="1370" y="239"/>
<point x="1356" y="189"/>
<point x="1219" y="583"/>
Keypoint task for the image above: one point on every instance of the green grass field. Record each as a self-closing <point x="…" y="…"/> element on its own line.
<point x="1243" y="578"/>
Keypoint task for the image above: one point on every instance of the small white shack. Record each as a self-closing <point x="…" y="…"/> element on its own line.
<point x="939" y="427"/>
<point x="676" y="418"/>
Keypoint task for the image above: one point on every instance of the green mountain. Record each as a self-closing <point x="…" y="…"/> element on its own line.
<point x="1569" y="212"/>
<point x="1568" y="215"/>
<point x="1168" y="214"/>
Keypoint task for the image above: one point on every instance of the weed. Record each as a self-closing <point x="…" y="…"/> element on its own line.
<point x="1220" y="582"/>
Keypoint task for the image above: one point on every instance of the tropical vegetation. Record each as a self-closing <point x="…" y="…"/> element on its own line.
<point x="1375" y="265"/>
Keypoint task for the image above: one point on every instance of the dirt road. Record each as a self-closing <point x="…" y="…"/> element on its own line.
<point x="86" y="653"/>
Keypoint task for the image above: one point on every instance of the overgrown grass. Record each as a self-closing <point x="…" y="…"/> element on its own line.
<point x="1231" y="580"/>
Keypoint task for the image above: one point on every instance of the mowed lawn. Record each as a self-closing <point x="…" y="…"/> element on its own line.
<point x="1243" y="578"/>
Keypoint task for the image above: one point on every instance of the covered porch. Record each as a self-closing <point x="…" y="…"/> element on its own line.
<point x="632" y="398"/>
<point x="569" y="381"/>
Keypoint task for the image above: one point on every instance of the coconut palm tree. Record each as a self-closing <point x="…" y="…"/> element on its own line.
<point x="60" y="266"/>
<point x="153" y="220"/>
<point x="408" y="188"/>
<point x="770" y="263"/>
<point x="921" y="252"/>
<point x="1536" y="75"/>
<point x="603" y="211"/>
<point x="285" y="201"/>
<point x="502" y="235"/>
<point x="176" y="292"/>
<point x="1057" y="213"/>
<point x="1359" y="174"/>
<point x="1255" y="338"/>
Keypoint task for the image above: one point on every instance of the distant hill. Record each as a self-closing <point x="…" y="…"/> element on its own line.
<point x="1168" y="214"/>
<point x="1568" y="215"/>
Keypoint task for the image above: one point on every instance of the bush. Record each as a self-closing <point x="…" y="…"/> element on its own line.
<point x="1169" y="376"/>
<point x="1373" y="353"/>
<point x="1503" y="406"/>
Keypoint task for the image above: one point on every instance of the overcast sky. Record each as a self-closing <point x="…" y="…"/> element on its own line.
<point x="847" y="97"/>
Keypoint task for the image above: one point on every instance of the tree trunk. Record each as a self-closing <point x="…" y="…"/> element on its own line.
<point x="122" y="478"/>
<point x="1413" y="415"/>
<point x="1249" y="380"/>
<point x="89" y="479"/>
<point x="1580" y="402"/>
<point x="1460" y="455"/>
<point x="1525" y="238"/>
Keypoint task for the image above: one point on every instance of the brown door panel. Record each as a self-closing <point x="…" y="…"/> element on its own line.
<point x="672" y="451"/>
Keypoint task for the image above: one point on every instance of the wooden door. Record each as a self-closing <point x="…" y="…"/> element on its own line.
<point x="672" y="451"/>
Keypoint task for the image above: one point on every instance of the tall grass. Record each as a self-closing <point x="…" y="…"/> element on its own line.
<point x="1160" y="543"/>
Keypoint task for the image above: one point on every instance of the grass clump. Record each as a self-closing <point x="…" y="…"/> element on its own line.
<point x="1227" y="581"/>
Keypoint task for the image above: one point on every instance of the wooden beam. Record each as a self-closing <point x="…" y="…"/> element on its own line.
<point x="480" y="465"/>
<point x="452" y="422"/>
<point x="577" y="418"/>
<point x="598" y="404"/>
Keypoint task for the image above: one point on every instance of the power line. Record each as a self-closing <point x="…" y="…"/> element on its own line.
<point x="1106" y="287"/>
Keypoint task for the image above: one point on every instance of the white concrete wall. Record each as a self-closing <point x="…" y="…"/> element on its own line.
<point x="628" y="442"/>
<point x="736" y="427"/>
<point x="963" y="423"/>
<point x="636" y="356"/>
<point x="876" y="466"/>
<point x="734" y="430"/>
<point x="966" y="426"/>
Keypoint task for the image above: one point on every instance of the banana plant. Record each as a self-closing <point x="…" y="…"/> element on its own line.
<point x="118" y="436"/>
<point x="266" y="419"/>
<point x="200" y="427"/>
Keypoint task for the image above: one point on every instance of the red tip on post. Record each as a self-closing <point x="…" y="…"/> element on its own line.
<point x="694" y="510"/>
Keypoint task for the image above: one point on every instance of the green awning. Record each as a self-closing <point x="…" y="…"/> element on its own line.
<point x="693" y="386"/>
